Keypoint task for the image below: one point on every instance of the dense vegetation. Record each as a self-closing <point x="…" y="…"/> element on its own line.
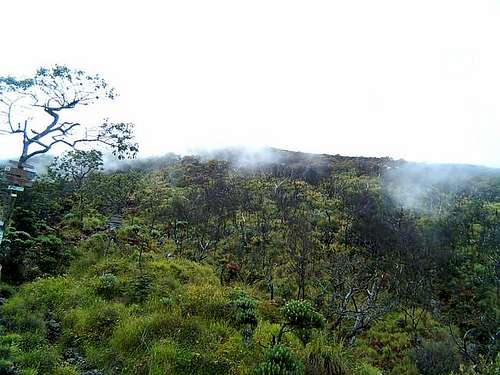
<point x="295" y="264"/>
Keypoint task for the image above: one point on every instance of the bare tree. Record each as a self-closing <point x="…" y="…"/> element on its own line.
<point x="32" y="108"/>
<point x="355" y="296"/>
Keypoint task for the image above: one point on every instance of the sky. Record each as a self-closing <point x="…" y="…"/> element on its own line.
<point x="418" y="80"/>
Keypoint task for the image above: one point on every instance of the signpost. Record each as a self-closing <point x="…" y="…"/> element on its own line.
<point x="115" y="222"/>
<point x="17" y="178"/>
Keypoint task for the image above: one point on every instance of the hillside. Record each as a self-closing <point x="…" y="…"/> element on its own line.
<point x="242" y="262"/>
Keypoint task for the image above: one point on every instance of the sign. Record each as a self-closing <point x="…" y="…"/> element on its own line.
<point x="15" y="188"/>
<point x="115" y="222"/>
<point x="1" y="235"/>
<point x="26" y="166"/>
<point x="13" y="171"/>
<point x="19" y="176"/>
<point x="15" y="180"/>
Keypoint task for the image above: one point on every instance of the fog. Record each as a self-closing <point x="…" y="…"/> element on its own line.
<point x="405" y="79"/>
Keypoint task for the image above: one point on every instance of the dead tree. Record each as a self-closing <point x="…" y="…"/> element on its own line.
<point x="33" y="109"/>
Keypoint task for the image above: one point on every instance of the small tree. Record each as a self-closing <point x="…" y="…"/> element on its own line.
<point x="300" y="317"/>
<point x="245" y="314"/>
<point x="76" y="166"/>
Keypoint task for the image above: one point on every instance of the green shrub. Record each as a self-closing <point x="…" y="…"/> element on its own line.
<point x="95" y="244"/>
<point x="43" y="360"/>
<point x="436" y="358"/>
<point x="52" y="294"/>
<point x="95" y="322"/>
<point x="6" y="290"/>
<point x="7" y="357"/>
<point x="387" y="344"/>
<point x="140" y="288"/>
<point x="302" y="318"/>
<point x="280" y="361"/>
<point x="48" y="256"/>
<point x="366" y="369"/>
<point x="92" y="224"/>
<point x="323" y="359"/>
<point x="301" y="314"/>
<point x="245" y="314"/>
<point x="183" y="270"/>
<point x="7" y="367"/>
<point x="135" y="333"/>
<point x="167" y="357"/>
<point x="66" y="370"/>
<point x="206" y="300"/>
<point x="108" y="286"/>
<point x="31" y="340"/>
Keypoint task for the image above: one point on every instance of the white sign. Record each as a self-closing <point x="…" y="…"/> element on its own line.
<point x="15" y="188"/>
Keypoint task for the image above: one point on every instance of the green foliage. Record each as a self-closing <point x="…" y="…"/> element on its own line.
<point x="7" y="353"/>
<point x="279" y="255"/>
<point x="108" y="286"/>
<point x="245" y="313"/>
<point x="436" y="358"/>
<point x="25" y="257"/>
<point x="302" y="315"/>
<point x="168" y="358"/>
<point x="92" y="223"/>
<point x="94" y="322"/>
<point x="366" y="369"/>
<point x="388" y="343"/>
<point x="280" y="361"/>
<point x="44" y="360"/>
<point x="321" y="358"/>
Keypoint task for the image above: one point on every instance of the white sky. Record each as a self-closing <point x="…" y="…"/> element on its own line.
<point x="413" y="79"/>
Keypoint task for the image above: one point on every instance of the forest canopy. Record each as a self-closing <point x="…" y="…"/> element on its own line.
<point x="291" y="264"/>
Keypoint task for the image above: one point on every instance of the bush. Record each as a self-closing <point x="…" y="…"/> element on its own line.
<point x="140" y="288"/>
<point x="7" y="343"/>
<point x="134" y="334"/>
<point x="66" y="370"/>
<point x="206" y="300"/>
<point x="387" y="344"/>
<point x="280" y="361"/>
<point x="6" y="290"/>
<point x="44" y="360"/>
<point x="302" y="317"/>
<point x="436" y="358"/>
<point x="366" y="369"/>
<point x="54" y="294"/>
<point x="92" y="224"/>
<point x="245" y="313"/>
<point x="108" y="286"/>
<point x="168" y="358"/>
<point x="95" y="322"/>
<point x="50" y="256"/>
<point x="323" y="359"/>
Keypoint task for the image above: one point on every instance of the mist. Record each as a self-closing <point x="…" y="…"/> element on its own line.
<point x="351" y="78"/>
